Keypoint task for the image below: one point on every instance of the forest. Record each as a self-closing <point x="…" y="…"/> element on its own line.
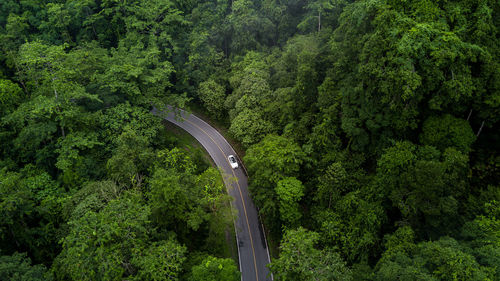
<point x="369" y="128"/>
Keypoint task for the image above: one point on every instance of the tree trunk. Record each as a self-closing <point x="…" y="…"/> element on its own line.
<point x="470" y="113"/>
<point x="480" y="129"/>
<point x="319" y="21"/>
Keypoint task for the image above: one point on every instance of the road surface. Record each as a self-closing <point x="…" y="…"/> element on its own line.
<point x="252" y="245"/>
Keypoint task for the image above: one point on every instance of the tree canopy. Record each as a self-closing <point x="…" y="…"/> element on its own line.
<point x="369" y="130"/>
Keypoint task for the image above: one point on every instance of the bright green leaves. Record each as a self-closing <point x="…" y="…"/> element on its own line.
<point x="115" y="234"/>
<point x="114" y="121"/>
<point x="249" y="101"/>
<point x="212" y="268"/>
<point x="274" y="159"/>
<point x="300" y="259"/>
<point x="482" y="235"/>
<point x="137" y="71"/>
<point x="57" y="97"/>
<point x="249" y="127"/>
<point x="213" y="95"/>
<point x="140" y="66"/>
<point x="159" y="261"/>
<point x="171" y="199"/>
<point x="289" y="192"/>
<point x="177" y="159"/>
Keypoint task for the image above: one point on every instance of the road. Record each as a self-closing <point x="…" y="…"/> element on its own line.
<point x="252" y="244"/>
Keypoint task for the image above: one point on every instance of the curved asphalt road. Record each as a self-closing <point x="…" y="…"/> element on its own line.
<point x="252" y="246"/>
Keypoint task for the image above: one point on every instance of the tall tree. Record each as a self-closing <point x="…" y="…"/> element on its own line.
<point x="301" y="260"/>
<point x="212" y="268"/>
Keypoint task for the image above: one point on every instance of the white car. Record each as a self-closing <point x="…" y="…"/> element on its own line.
<point x="232" y="161"/>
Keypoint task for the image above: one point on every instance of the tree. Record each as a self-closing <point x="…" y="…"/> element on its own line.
<point x="317" y="14"/>
<point x="352" y="225"/>
<point x="332" y="183"/>
<point x="10" y="96"/>
<point x="100" y="245"/>
<point x="249" y="127"/>
<point x="215" y="200"/>
<point x="273" y="159"/>
<point x="212" y="268"/>
<point x="423" y="184"/>
<point x="482" y="237"/>
<point x="91" y="197"/>
<point x="131" y="158"/>
<point x="213" y="95"/>
<point x="249" y="29"/>
<point x="56" y="94"/>
<point x="447" y="131"/>
<point x="268" y="162"/>
<point x="160" y="261"/>
<point x="31" y="208"/>
<point x="408" y="61"/>
<point x="437" y="260"/>
<point x="289" y="192"/>
<point x="300" y="260"/>
<point x="395" y="263"/>
<point x="171" y="200"/>
<point x="70" y="149"/>
<point x="17" y="267"/>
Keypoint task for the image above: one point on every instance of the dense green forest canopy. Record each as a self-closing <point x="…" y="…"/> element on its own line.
<point x="370" y="133"/>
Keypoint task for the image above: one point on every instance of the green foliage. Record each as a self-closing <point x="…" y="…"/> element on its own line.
<point x="423" y="184"/>
<point x="212" y="268"/>
<point x="131" y="158"/>
<point x="247" y="26"/>
<point x="447" y="131"/>
<point x="190" y="203"/>
<point x="17" y="267"/>
<point x="69" y="155"/>
<point x="31" y="208"/>
<point x="438" y="260"/>
<point x="289" y="192"/>
<point x="386" y="112"/>
<point x="395" y="60"/>
<point x="92" y="197"/>
<point x="159" y="261"/>
<point x="10" y="96"/>
<point x="100" y="245"/>
<point x="352" y="224"/>
<point x="249" y="127"/>
<point x="482" y="236"/>
<point x="300" y="260"/>
<point x="273" y="159"/>
<point x="213" y="96"/>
